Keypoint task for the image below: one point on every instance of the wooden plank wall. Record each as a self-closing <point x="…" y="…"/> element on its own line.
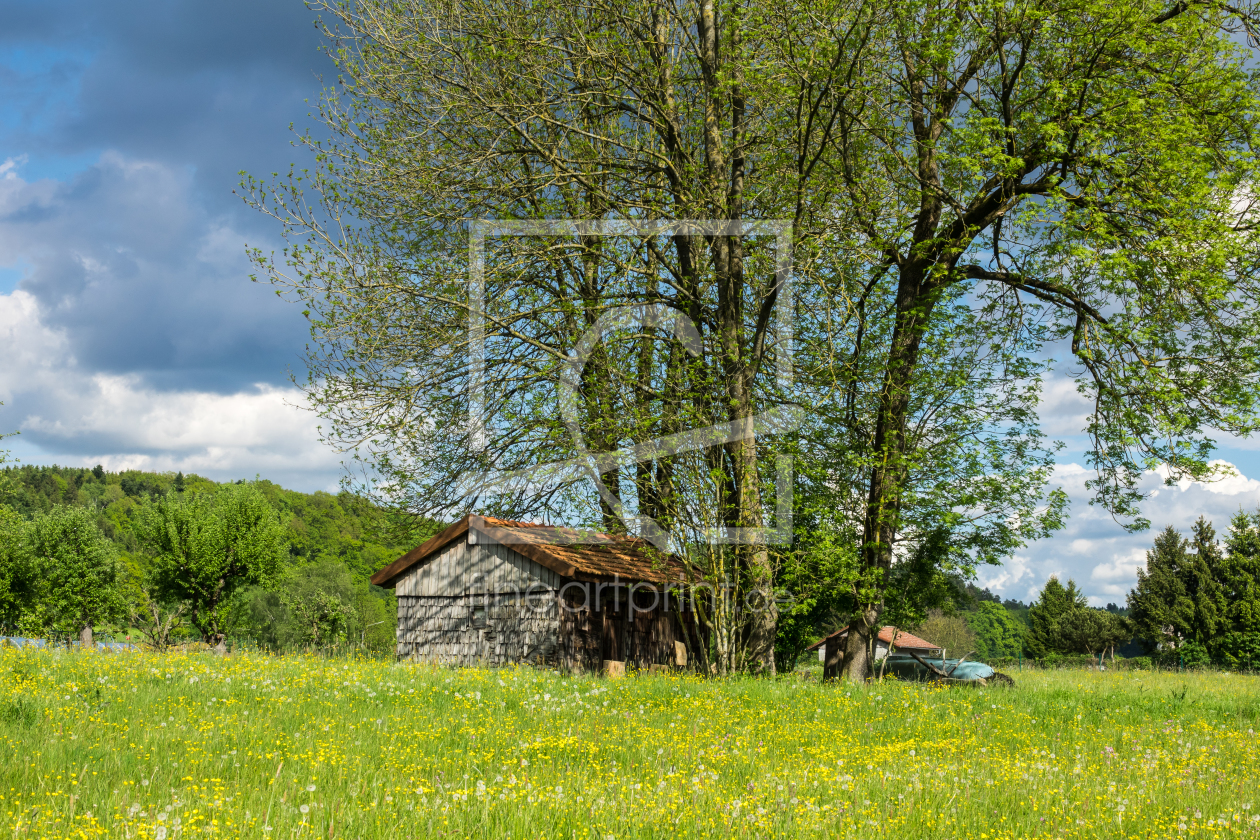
<point x="443" y="629"/>
<point x="436" y="620"/>
<point x="461" y="569"/>
<point x="646" y="640"/>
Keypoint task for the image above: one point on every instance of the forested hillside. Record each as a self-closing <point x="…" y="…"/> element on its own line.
<point x="321" y="526"/>
<point x="327" y="546"/>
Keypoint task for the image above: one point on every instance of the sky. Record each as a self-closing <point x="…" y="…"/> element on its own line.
<point x="131" y="335"/>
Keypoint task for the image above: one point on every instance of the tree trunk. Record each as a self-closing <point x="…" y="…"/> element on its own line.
<point x="890" y="470"/>
<point x="857" y="652"/>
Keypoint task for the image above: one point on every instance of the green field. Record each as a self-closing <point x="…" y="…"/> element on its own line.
<point x="139" y="746"/>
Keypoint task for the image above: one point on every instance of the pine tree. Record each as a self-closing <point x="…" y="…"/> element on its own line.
<point x="1045" y="633"/>
<point x="1204" y="585"/>
<point x="1161" y="608"/>
<point x="1239" y="645"/>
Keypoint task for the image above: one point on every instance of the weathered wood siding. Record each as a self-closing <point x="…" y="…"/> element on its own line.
<point x="461" y="569"/>
<point x="454" y="631"/>
<point x="642" y="638"/>
<point x="487" y="605"/>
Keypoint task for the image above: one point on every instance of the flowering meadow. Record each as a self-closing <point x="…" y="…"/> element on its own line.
<point x="170" y="746"/>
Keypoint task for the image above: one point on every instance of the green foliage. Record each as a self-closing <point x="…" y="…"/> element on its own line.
<point x="1235" y="649"/>
<point x="207" y="545"/>
<point x="318" y="529"/>
<point x="930" y="579"/>
<point x="948" y="631"/>
<point x="320" y="599"/>
<point x="998" y="632"/>
<point x="1191" y="654"/>
<point x="78" y="579"/>
<point x="819" y="573"/>
<point x="1088" y="630"/>
<point x="1045" y="635"/>
<point x="1202" y="604"/>
<point x="15" y="567"/>
<point x="316" y="605"/>
<point x="1239" y="574"/>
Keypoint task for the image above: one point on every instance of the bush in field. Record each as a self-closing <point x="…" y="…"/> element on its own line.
<point x="76" y="573"/>
<point x="208" y="545"/>
<point x="316" y="605"/>
<point x="1238" y="650"/>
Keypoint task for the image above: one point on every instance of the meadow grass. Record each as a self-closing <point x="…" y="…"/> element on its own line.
<point x="148" y="746"/>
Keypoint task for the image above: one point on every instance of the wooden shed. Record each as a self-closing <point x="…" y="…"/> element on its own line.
<point x="831" y="649"/>
<point x="494" y="592"/>
<point x="885" y="637"/>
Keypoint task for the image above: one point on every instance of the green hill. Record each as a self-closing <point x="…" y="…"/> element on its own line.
<point x="336" y="541"/>
<point x="322" y="526"/>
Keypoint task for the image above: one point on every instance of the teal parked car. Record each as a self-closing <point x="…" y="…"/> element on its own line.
<point x="903" y="666"/>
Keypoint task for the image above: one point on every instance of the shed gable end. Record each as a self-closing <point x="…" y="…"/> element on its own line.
<point x="460" y="568"/>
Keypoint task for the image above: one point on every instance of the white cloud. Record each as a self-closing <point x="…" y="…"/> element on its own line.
<point x="1097" y="553"/>
<point x="1064" y="411"/>
<point x="8" y="169"/>
<point x="75" y="417"/>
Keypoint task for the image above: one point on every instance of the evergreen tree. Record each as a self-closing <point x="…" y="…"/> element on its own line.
<point x="1240" y="573"/>
<point x="1179" y="596"/>
<point x="1160" y="607"/>
<point x="1239" y="645"/>
<point x="1204" y="584"/>
<point x="1045" y="634"/>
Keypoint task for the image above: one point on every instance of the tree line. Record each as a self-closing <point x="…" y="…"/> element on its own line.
<point x="821" y="254"/>
<point x="1196" y="602"/>
<point x="168" y="557"/>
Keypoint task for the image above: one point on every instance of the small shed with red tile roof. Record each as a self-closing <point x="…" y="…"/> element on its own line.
<point x="494" y="591"/>
<point x="904" y="641"/>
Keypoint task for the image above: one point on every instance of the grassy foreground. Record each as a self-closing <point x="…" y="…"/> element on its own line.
<point x="143" y="746"/>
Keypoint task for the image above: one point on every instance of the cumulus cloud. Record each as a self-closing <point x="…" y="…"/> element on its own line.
<point x="1097" y="553"/>
<point x="79" y="417"/>
<point x="141" y="280"/>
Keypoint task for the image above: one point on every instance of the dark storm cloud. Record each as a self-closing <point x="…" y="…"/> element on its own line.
<point x="142" y="280"/>
<point x="214" y="84"/>
<point x="137" y="252"/>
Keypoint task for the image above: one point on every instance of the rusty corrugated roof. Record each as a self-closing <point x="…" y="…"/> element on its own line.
<point x="907" y="641"/>
<point x="569" y="552"/>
